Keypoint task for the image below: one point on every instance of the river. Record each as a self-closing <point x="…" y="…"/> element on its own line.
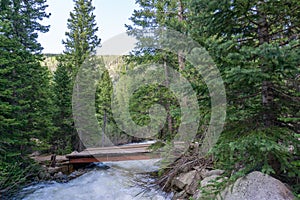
<point x="122" y="181"/>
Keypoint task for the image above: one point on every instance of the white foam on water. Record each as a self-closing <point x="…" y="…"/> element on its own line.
<point x="117" y="183"/>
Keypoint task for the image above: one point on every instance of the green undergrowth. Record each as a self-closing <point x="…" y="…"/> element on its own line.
<point x="15" y="172"/>
<point x="272" y="151"/>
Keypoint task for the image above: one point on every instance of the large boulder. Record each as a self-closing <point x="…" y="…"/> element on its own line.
<point x="257" y="185"/>
<point x="254" y="186"/>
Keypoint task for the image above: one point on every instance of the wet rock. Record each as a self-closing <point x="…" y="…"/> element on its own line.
<point x="76" y="174"/>
<point x="99" y="165"/>
<point x="52" y="170"/>
<point x="197" y="195"/>
<point x="43" y="175"/>
<point x="60" y="177"/>
<point x="203" y="173"/>
<point x="190" y="182"/>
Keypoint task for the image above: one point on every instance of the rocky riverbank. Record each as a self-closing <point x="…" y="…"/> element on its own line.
<point x="56" y="168"/>
<point x="191" y="177"/>
<point x="254" y="186"/>
<point x="186" y="179"/>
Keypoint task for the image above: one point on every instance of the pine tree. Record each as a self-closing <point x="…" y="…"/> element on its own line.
<point x="21" y="59"/>
<point x="167" y="15"/>
<point x="148" y="18"/>
<point x="80" y="43"/>
<point x="25" y="91"/>
<point x="81" y="40"/>
<point x="103" y="104"/>
<point x="62" y="88"/>
<point x="256" y="47"/>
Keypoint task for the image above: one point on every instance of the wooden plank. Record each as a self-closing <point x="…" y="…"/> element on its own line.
<point x="114" y="153"/>
<point x="113" y="158"/>
<point x="99" y="151"/>
<point x="120" y="147"/>
<point x="107" y="150"/>
<point x="110" y="152"/>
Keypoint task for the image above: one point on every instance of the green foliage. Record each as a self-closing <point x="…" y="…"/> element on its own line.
<point x="24" y="100"/>
<point x="258" y="150"/>
<point x="62" y="88"/>
<point x="240" y="153"/>
<point x="80" y="43"/>
<point x="142" y="100"/>
<point x="15" y="172"/>
<point x="157" y="145"/>
<point x="158" y="14"/>
<point x="255" y="45"/>
<point x="110" y="130"/>
<point x="81" y="39"/>
<point x="25" y="95"/>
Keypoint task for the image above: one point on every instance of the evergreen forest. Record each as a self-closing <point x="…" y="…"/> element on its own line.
<point x="255" y="45"/>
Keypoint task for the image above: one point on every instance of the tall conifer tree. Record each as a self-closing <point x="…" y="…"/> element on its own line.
<point x="81" y="42"/>
<point x="24" y="87"/>
<point x="255" y="44"/>
<point x="27" y="82"/>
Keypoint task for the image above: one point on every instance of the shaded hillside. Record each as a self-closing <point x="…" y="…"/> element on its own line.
<point x="114" y="64"/>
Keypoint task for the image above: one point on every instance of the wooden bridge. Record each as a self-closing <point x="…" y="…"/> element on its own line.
<point x="114" y="153"/>
<point x="75" y="160"/>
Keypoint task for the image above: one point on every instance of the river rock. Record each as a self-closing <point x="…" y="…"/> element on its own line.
<point x="60" y="177"/>
<point x="180" y="196"/>
<point x="192" y="188"/>
<point x="257" y="185"/>
<point x="183" y="180"/>
<point x="205" y="184"/>
<point x="52" y="170"/>
<point x="216" y="172"/>
<point x="77" y="174"/>
<point x="43" y="175"/>
<point x="254" y="186"/>
<point x="209" y="180"/>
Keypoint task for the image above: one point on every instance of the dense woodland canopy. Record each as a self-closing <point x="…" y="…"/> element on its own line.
<point x="254" y="44"/>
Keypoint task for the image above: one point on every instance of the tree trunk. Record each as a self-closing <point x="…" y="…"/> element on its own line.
<point x="53" y="160"/>
<point x="78" y="138"/>
<point x="267" y="85"/>
<point x="181" y="59"/>
<point x="169" y="117"/>
<point x="103" y="128"/>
